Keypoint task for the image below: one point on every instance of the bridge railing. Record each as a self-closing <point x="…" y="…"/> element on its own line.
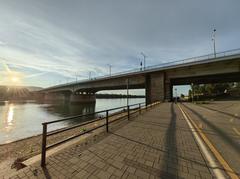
<point x="126" y="112"/>
<point x="164" y="65"/>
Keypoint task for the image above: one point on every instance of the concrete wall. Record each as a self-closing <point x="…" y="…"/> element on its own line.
<point x="216" y="68"/>
<point x="155" y="87"/>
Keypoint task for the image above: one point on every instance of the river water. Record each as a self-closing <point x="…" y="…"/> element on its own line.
<point x="21" y="120"/>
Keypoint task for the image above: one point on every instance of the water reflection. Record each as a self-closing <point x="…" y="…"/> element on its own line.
<point x="20" y="120"/>
<point x="10" y="114"/>
<point x="7" y="117"/>
<point x="66" y="110"/>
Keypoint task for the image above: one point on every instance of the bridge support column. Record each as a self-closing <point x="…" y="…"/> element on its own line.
<point x="157" y="89"/>
<point x="83" y="98"/>
<point x="168" y="91"/>
<point x="56" y="97"/>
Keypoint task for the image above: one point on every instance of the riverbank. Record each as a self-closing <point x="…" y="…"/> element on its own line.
<point x="12" y="154"/>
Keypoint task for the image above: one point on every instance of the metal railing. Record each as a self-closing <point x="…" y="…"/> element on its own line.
<point x="125" y="109"/>
<point x="159" y="66"/>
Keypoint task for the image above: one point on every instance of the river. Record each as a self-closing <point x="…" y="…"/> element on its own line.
<point x="21" y="120"/>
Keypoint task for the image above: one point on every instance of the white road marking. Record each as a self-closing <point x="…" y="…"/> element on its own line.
<point x="214" y="151"/>
<point x="215" y="167"/>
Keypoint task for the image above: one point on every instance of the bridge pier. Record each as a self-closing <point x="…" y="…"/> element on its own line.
<point x="57" y="97"/>
<point x="83" y="98"/>
<point x="157" y="88"/>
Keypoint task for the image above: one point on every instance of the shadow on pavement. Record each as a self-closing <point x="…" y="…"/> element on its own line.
<point x="161" y="150"/>
<point x="220" y="132"/>
<point x="228" y="114"/>
<point x="170" y="144"/>
<point x="46" y="173"/>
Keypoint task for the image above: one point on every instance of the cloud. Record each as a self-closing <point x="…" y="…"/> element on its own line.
<point x="64" y="38"/>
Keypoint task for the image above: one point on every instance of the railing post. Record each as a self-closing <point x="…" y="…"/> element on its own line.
<point x="44" y="142"/>
<point x="107" y="120"/>
<point x="139" y="108"/>
<point x="128" y="112"/>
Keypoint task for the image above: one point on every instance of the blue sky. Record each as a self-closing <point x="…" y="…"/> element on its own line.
<point x="51" y="42"/>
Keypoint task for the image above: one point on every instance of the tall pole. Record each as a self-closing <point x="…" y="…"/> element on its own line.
<point x="192" y="85"/>
<point x="76" y="76"/>
<point x="110" y="69"/>
<point x="175" y="95"/>
<point x="127" y="92"/>
<point x="214" y="42"/>
<point x="90" y="73"/>
<point x="144" y="60"/>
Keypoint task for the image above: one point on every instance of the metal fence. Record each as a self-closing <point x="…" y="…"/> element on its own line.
<point x="130" y="109"/>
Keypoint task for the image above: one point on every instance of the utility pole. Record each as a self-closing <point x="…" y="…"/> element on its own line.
<point x="144" y="60"/>
<point x="214" y="42"/>
<point x="110" y="69"/>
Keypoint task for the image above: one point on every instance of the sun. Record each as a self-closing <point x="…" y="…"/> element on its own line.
<point x="15" y="79"/>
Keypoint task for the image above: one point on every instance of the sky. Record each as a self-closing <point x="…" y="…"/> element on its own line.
<point x="45" y="42"/>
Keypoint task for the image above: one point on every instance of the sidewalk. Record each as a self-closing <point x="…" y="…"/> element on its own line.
<point x="156" y="144"/>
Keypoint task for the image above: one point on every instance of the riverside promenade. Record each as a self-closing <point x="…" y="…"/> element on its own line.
<point x="156" y="144"/>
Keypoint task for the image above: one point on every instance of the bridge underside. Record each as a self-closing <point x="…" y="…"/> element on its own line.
<point x="157" y="87"/>
<point x="70" y="97"/>
<point x="220" y="78"/>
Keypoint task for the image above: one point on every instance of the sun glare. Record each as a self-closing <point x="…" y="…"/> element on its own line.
<point x="15" y="79"/>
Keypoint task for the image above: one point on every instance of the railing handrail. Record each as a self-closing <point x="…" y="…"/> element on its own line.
<point x="152" y="67"/>
<point x="45" y="133"/>
<point x="89" y="114"/>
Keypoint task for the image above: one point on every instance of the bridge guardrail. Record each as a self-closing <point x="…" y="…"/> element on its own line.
<point x="127" y="109"/>
<point x="163" y="65"/>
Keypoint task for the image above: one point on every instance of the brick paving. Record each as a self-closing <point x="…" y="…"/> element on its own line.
<point x="156" y="144"/>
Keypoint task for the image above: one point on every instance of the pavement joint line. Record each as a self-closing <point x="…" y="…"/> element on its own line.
<point x="237" y="131"/>
<point x="218" y="156"/>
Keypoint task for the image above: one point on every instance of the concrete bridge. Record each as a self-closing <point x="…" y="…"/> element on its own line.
<point x="158" y="80"/>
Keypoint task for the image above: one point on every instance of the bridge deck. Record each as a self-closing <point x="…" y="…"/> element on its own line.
<point x="156" y="144"/>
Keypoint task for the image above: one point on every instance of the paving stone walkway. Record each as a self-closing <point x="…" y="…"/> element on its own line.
<point x="156" y="144"/>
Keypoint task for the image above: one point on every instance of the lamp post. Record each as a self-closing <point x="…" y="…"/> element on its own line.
<point x="140" y="65"/>
<point x="76" y="76"/>
<point x="127" y="91"/>
<point x="192" y="85"/>
<point x="214" y="42"/>
<point x="144" y="60"/>
<point x="110" y="69"/>
<point x="90" y="73"/>
<point x="175" y="95"/>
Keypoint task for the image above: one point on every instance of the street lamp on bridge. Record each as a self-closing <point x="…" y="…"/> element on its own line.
<point x="144" y="60"/>
<point x="110" y="69"/>
<point x="214" y="42"/>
